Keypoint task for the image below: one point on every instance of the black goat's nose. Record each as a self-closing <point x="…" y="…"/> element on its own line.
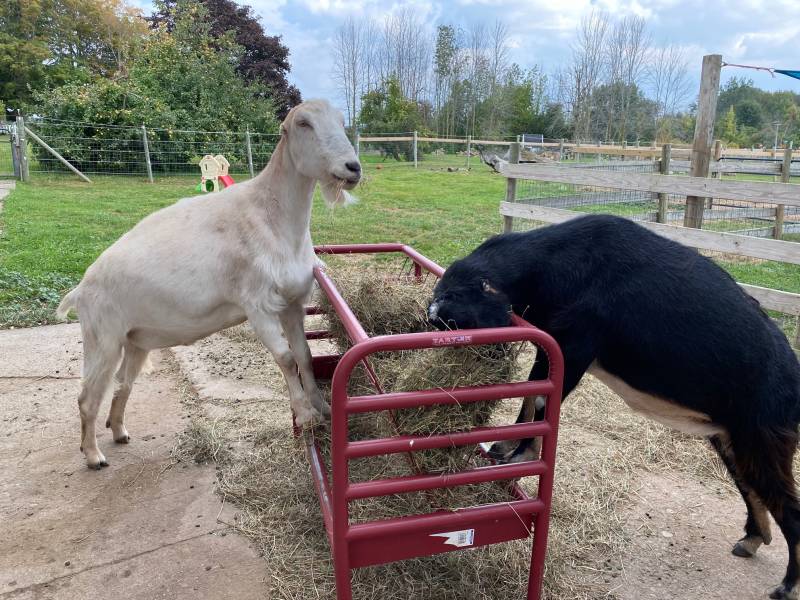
<point x="354" y="166"/>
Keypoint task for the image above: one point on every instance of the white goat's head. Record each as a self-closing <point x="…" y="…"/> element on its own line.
<point x="319" y="148"/>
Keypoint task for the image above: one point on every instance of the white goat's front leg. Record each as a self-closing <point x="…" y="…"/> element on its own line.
<point x="292" y="321"/>
<point x="268" y="329"/>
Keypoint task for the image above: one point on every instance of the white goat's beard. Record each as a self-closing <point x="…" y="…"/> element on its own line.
<point x="334" y="195"/>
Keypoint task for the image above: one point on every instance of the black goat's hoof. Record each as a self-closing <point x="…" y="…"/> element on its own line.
<point x="742" y="552"/>
<point x="782" y="593"/>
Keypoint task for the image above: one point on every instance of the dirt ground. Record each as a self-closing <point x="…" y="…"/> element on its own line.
<point x="146" y="527"/>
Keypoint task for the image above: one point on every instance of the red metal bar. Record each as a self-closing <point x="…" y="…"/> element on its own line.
<point x="416" y="443"/>
<point x="321" y="484"/>
<point x="417" y="483"/>
<point x="351" y="324"/>
<point x="397" y="400"/>
<point x="320" y="334"/>
<point x="423" y="261"/>
<point x="444" y="520"/>
<point x="418" y="535"/>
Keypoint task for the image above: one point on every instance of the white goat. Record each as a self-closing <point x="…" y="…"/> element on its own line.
<point x="211" y="262"/>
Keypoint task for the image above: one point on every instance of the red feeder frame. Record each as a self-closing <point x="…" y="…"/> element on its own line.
<point x="389" y="540"/>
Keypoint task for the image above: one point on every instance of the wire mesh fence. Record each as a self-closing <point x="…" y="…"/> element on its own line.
<point x="97" y="149"/>
<point x="433" y="152"/>
<point x="733" y="216"/>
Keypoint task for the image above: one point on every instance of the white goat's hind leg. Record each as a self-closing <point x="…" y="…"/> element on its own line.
<point x="292" y="321"/>
<point x="268" y="329"/>
<point x="99" y="362"/>
<point x="132" y="363"/>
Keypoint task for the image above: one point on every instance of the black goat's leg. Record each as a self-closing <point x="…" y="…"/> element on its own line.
<point x="578" y="355"/>
<point x="763" y="459"/>
<point x="757" y="528"/>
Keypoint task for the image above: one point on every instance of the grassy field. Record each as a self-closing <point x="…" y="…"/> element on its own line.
<point x="52" y="229"/>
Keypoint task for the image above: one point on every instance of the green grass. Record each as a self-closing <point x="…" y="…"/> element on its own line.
<point x="53" y="228"/>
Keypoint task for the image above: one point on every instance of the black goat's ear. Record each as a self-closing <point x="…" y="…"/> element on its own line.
<point x="488" y="287"/>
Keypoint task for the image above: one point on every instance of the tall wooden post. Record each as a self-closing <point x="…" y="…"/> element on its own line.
<point x="561" y="150"/>
<point x="703" y="134"/>
<point x="146" y="147"/>
<point x="415" y="149"/>
<point x="358" y="143"/>
<point x="666" y="155"/>
<point x="249" y="149"/>
<point x="511" y="187"/>
<point x="786" y="173"/>
<point x="469" y="149"/>
<point x="22" y="149"/>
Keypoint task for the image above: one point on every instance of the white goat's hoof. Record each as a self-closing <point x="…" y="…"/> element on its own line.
<point x="120" y="434"/>
<point x="96" y="460"/>
<point x="320" y="405"/>
<point x="304" y="416"/>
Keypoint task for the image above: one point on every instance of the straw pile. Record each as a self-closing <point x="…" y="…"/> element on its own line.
<point x="386" y="305"/>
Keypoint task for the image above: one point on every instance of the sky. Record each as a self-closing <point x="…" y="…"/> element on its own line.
<point x="751" y="32"/>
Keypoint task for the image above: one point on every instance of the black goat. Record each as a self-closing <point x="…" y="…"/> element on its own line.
<point x="664" y="327"/>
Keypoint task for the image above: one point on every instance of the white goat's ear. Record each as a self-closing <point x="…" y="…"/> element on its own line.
<point x="336" y="196"/>
<point x="488" y="287"/>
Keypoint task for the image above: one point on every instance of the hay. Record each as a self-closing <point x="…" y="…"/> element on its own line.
<point x="386" y="305"/>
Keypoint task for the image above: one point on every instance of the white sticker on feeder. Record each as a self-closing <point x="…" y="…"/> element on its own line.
<point x="459" y="539"/>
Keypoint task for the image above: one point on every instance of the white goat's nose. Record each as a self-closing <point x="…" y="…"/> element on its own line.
<point x="433" y="311"/>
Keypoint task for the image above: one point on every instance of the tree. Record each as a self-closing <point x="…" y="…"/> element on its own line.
<point x="668" y="80"/>
<point x="727" y="132"/>
<point x="748" y="114"/>
<point x="44" y="43"/>
<point x="263" y="61"/>
<point x="447" y="72"/>
<point x="627" y="50"/>
<point x="577" y="81"/>
<point x="351" y="55"/>
<point x="404" y="53"/>
<point x="173" y="81"/>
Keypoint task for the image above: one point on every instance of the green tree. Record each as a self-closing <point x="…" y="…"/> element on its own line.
<point x="748" y="114"/>
<point x="45" y="43"/>
<point x="184" y="80"/>
<point x="727" y="132"/>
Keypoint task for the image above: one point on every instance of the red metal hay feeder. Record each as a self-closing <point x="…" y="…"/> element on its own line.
<point x="383" y="541"/>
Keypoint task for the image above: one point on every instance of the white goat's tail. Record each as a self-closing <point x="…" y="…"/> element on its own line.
<point x="67" y="303"/>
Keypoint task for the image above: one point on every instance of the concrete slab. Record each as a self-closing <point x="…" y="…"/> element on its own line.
<point x="145" y="527"/>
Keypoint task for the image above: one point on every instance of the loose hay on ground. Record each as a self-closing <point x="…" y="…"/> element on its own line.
<point x="603" y="450"/>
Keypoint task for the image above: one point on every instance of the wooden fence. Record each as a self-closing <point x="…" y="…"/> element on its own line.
<point x="781" y="194"/>
<point x="758" y="162"/>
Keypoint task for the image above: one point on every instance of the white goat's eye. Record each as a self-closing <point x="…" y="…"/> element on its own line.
<point x="305" y="124"/>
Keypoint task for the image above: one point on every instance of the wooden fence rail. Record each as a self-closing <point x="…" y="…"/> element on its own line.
<point x="753" y="191"/>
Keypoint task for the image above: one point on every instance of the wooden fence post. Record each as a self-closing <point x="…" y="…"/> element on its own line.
<point x="786" y="173"/>
<point x="22" y="149"/>
<point x="146" y="147"/>
<point x="703" y="135"/>
<point x="415" y="149"/>
<point x="511" y="187"/>
<point x="469" y="149"/>
<point x="63" y="160"/>
<point x="561" y="150"/>
<point x="666" y="155"/>
<point x="358" y="144"/>
<point x="249" y="153"/>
